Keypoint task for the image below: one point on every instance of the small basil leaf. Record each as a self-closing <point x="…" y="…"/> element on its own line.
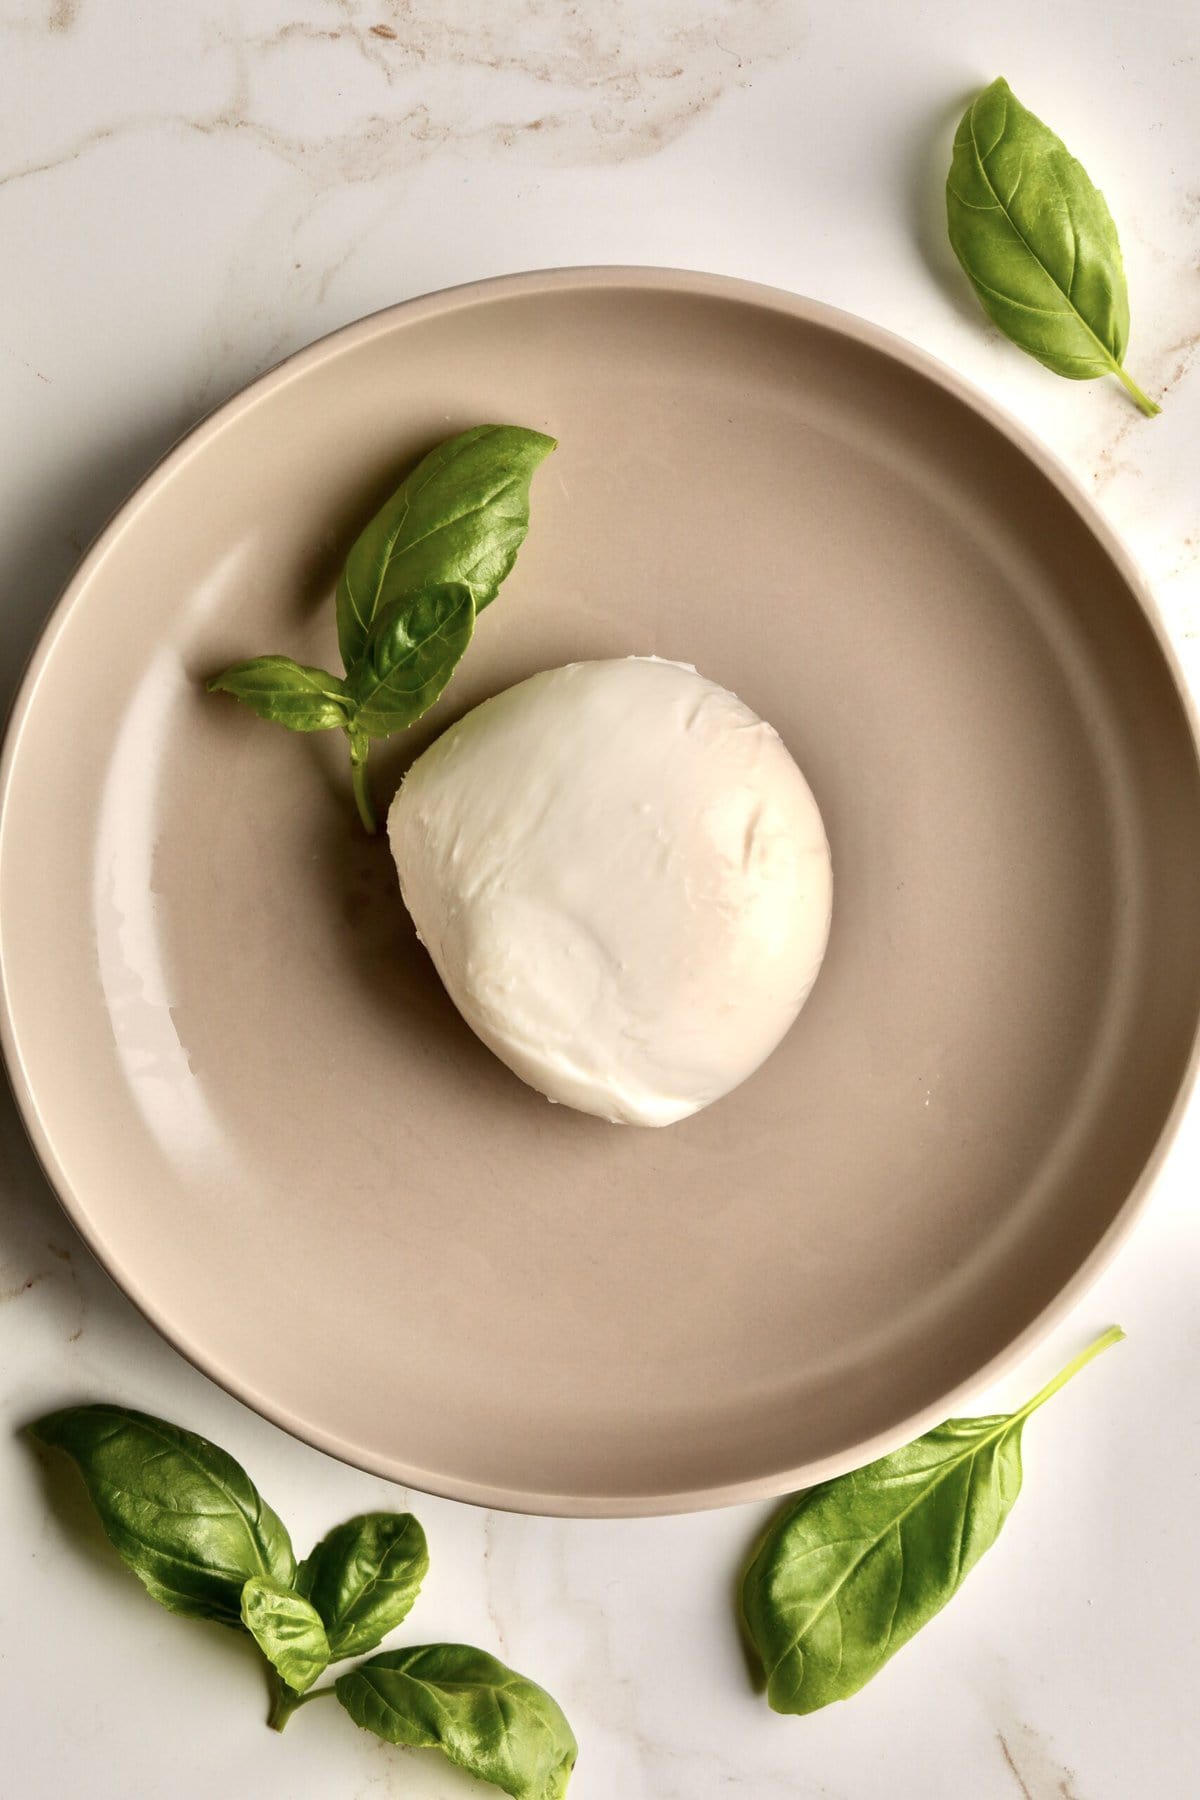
<point x="852" y="1569"/>
<point x="363" y="1578"/>
<point x="461" y="515"/>
<point x="286" y="693"/>
<point x="502" y="1728"/>
<point x="1038" y="242"/>
<point x="287" y="1630"/>
<point x="185" y="1517"/>
<point x="412" y="649"/>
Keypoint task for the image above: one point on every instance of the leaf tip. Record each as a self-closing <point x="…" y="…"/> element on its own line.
<point x="538" y="440"/>
<point x="43" y="1431"/>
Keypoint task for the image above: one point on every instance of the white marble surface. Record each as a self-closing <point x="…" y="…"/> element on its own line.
<point x="187" y="192"/>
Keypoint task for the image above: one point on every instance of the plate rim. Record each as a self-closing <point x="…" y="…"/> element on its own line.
<point x="650" y="278"/>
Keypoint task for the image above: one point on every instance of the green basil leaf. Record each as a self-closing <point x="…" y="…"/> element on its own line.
<point x="287" y="1629"/>
<point x="185" y="1517"/>
<point x="287" y="693"/>
<point x="449" y="1697"/>
<point x="363" y="1578"/>
<point x="461" y="515"/>
<point x="413" y="648"/>
<point x="1038" y="242"/>
<point x="852" y="1568"/>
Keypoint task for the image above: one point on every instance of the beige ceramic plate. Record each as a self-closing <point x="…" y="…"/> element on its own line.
<point x="260" y="1109"/>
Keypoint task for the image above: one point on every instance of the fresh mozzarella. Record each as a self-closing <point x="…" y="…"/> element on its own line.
<point x="623" y="880"/>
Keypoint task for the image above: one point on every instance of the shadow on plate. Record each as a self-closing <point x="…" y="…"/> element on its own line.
<point x="393" y="974"/>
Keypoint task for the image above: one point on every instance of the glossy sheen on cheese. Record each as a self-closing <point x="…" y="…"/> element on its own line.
<point x="623" y="880"/>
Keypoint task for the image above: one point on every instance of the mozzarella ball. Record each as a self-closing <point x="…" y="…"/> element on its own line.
<point x="624" y="883"/>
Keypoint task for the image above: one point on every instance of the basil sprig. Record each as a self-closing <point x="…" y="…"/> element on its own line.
<point x="189" y="1522"/>
<point x="414" y="582"/>
<point x="852" y="1569"/>
<point x="1038" y="242"/>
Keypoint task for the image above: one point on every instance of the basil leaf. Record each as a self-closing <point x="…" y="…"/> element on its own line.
<point x="461" y="515"/>
<point x="449" y="1697"/>
<point x="412" y="649"/>
<point x="185" y="1517"/>
<point x="432" y="558"/>
<point x="363" y="1578"/>
<point x="286" y="693"/>
<point x="852" y="1568"/>
<point x="1038" y="242"/>
<point x="287" y="1630"/>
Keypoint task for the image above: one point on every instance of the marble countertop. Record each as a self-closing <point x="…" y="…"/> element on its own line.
<point x="187" y="193"/>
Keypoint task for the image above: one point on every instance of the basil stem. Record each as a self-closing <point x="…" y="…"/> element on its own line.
<point x="360" y="749"/>
<point x="285" y="1701"/>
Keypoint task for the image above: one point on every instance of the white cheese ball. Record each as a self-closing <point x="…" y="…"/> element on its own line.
<point x="623" y="880"/>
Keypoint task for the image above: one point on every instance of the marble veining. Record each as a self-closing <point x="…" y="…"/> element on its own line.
<point x="1035" y="1770"/>
<point x="69" y="1298"/>
<point x="606" y="81"/>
